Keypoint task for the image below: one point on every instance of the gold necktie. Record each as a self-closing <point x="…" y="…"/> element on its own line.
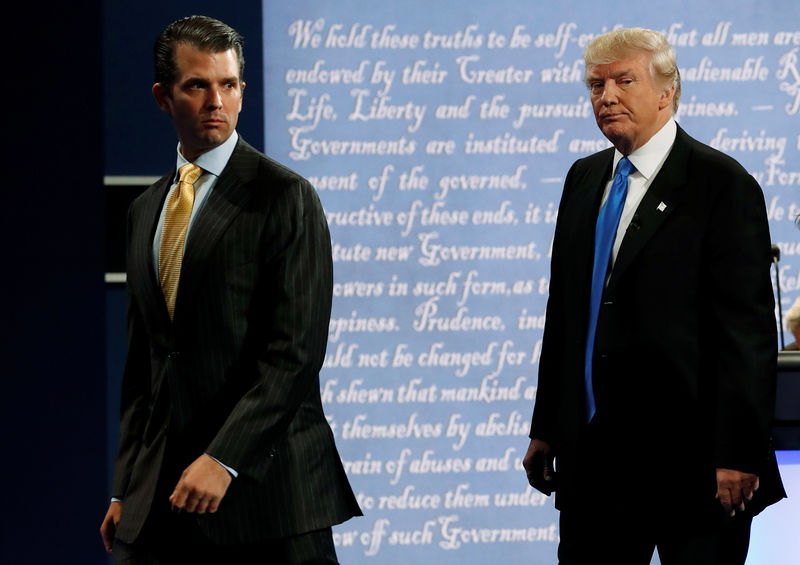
<point x="173" y="235"/>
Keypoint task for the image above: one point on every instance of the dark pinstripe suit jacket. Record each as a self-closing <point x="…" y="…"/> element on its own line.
<point x="236" y="373"/>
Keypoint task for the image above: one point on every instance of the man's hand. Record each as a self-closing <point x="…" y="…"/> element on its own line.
<point x="735" y="488"/>
<point x="201" y="486"/>
<point x="108" y="529"/>
<point x="538" y="463"/>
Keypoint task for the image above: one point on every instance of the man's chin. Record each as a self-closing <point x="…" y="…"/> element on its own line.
<point x="215" y="138"/>
<point x="616" y="136"/>
<point x="203" y="143"/>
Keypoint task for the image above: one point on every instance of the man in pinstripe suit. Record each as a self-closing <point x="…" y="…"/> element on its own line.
<point x="225" y="455"/>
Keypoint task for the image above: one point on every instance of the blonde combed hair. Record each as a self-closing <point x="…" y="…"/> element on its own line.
<point x="618" y="44"/>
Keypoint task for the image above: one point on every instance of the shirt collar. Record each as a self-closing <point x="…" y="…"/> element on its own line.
<point x="649" y="156"/>
<point x="214" y="160"/>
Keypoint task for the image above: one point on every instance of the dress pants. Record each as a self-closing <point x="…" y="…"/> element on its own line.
<point x="623" y="505"/>
<point x="589" y="538"/>
<point x="178" y="541"/>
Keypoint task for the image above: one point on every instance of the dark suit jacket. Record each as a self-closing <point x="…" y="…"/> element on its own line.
<point x="685" y="353"/>
<point x="236" y="373"/>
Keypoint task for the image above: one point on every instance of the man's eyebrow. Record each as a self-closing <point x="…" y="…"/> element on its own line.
<point x="616" y="74"/>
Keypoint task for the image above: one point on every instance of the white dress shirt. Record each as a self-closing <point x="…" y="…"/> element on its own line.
<point x="648" y="160"/>
<point x="212" y="162"/>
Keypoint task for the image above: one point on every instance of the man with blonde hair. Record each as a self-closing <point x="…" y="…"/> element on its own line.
<point x="793" y="325"/>
<point x="657" y="375"/>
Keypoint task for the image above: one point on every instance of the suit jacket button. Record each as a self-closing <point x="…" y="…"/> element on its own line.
<point x="173" y="355"/>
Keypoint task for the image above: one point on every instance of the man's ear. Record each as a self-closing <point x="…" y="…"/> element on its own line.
<point x="666" y="97"/>
<point x="163" y="98"/>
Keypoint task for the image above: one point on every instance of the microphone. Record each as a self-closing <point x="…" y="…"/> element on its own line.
<point x="776" y="253"/>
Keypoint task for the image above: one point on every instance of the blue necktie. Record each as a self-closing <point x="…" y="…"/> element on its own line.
<point x="604" y="234"/>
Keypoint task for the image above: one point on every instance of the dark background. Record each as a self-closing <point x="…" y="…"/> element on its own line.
<point x="77" y="79"/>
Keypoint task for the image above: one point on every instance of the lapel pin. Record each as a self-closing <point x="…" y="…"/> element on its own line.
<point x="662" y="207"/>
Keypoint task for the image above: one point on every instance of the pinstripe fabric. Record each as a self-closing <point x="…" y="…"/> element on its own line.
<point x="236" y="373"/>
<point x="310" y="548"/>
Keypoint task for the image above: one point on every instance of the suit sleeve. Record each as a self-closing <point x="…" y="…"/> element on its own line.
<point x="744" y="353"/>
<point x="544" y="421"/>
<point x="288" y="331"/>
<point x="134" y="403"/>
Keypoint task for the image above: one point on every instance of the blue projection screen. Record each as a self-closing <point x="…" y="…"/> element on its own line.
<point x="438" y="136"/>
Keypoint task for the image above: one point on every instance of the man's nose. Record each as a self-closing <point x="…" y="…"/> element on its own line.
<point x="214" y="98"/>
<point x="610" y="92"/>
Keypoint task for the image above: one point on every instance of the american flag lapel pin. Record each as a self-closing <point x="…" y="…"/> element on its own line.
<point x="662" y="206"/>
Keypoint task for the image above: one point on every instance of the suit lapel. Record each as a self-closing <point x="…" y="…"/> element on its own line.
<point x="141" y="269"/>
<point x="586" y="195"/>
<point x="593" y="187"/>
<point x="661" y="198"/>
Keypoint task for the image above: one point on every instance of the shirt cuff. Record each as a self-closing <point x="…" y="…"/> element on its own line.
<point x="231" y="470"/>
